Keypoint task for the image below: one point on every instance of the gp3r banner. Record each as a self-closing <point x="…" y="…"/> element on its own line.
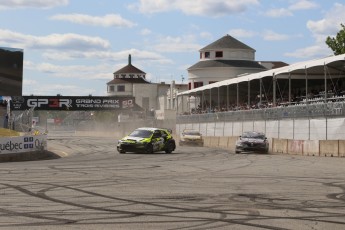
<point x="71" y="103"/>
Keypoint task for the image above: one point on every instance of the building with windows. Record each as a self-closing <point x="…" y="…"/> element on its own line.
<point x="221" y="60"/>
<point x="130" y="81"/>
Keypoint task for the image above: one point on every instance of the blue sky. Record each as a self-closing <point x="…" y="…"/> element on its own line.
<point x="72" y="47"/>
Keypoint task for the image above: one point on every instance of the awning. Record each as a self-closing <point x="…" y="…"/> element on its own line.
<point x="313" y="69"/>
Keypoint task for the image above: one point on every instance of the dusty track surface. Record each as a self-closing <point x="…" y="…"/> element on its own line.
<point x="94" y="187"/>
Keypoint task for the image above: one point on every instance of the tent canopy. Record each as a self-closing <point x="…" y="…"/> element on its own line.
<point x="313" y="69"/>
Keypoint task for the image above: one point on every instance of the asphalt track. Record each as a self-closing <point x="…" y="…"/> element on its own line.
<point x="93" y="187"/>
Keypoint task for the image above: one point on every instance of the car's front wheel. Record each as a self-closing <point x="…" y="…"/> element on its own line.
<point x="149" y="148"/>
<point x="170" y="147"/>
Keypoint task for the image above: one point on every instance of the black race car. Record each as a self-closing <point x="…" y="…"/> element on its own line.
<point x="252" y="142"/>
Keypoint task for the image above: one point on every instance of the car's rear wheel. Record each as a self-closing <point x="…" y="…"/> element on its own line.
<point x="149" y="148"/>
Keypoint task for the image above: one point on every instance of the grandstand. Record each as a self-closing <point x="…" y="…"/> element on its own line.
<point x="307" y="90"/>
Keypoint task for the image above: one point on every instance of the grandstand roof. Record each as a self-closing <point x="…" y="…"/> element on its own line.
<point x="313" y="69"/>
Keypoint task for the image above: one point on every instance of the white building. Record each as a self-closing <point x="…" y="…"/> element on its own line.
<point x="130" y="81"/>
<point x="221" y="60"/>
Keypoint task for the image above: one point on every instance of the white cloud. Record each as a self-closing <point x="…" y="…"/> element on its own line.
<point x="145" y="31"/>
<point x="41" y="4"/>
<point x="241" y="33"/>
<point x="141" y="55"/>
<point x="303" y="5"/>
<point x="330" y="24"/>
<point x="53" y="41"/>
<point x="102" y="71"/>
<point x="177" y="44"/>
<point x="310" y="52"/>
<point x="320" y="29"/>
<point x="276" y="13"/>
<point x="206" y="35"/>
<point x="209" y="8"/>
<point x="54" y="89"/>
<point x="273" y="36"/>
<point x="288" y="11"/>
<point x="109" y="20"/>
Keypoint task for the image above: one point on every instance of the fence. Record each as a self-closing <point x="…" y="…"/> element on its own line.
<point x="323" y="121"/>
<point x="21" y="121"/>
<point x="318" y="110"/>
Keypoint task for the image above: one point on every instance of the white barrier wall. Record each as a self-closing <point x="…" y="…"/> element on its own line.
<point x="301" y="129"/>
<point x="336" y="129"/>
<point x="317" y="127"/>
<point x="23" y="144"/>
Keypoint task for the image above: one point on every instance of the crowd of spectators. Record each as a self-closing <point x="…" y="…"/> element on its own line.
<point x="298" y="97"/>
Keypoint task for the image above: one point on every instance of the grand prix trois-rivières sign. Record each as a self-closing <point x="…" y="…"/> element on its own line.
<point x="71" y="103"/>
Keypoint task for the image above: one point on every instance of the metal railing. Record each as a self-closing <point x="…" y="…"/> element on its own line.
<point x="316" y="110"/>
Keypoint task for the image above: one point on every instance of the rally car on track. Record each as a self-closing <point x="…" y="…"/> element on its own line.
<point x="147" y="140"/>
<point x="252" y="142"/>
<point x="191" y="137"/>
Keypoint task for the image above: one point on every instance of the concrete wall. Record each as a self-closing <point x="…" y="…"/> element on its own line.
<point x="331" y="148"/>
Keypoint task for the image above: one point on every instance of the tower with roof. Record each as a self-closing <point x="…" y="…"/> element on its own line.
<point x="124" y="80"/>
<point x="221" y="60"/>
<point x="130" y="81"/>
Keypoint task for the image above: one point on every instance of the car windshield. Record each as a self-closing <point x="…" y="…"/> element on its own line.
<point x="192" y="132"/>
<point x="141" y="133"/>
<point x="253" y="135"/>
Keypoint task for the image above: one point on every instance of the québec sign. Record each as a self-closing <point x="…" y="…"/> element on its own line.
<point x="71" y="103"/>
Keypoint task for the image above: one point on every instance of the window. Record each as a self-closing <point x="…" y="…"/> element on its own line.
<point x="207" y="54"/>
<point x="198" y="84"/>
<point x="200" y="55"/>
<point x="211" y="82"/>
<point x="111" y="88"/>
<point x="120" y="88"/>
<point x="219" y="54"/>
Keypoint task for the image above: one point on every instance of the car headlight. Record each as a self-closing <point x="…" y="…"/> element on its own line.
<point x="240" y="143"/>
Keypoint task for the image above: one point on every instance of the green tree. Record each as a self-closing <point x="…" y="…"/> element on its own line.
<point x="337" y="44"/>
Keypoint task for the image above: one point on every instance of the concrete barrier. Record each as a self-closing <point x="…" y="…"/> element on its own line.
<point x="232" y="143"/>
<point x="311" y="148"/>
<point x="24" y="147"/>
<point x="223" y="142"/>
<point x="214" y="141"/>
<point x="270" y="142"/>
<point x="329" y="148"/>
<point x="341" y="148"/>
<point x="207" y="141"/>
<point x="280" y="146"/>
<point x="295" y="147"/>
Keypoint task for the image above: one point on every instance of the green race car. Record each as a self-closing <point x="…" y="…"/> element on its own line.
<point x="147" y="140"/>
